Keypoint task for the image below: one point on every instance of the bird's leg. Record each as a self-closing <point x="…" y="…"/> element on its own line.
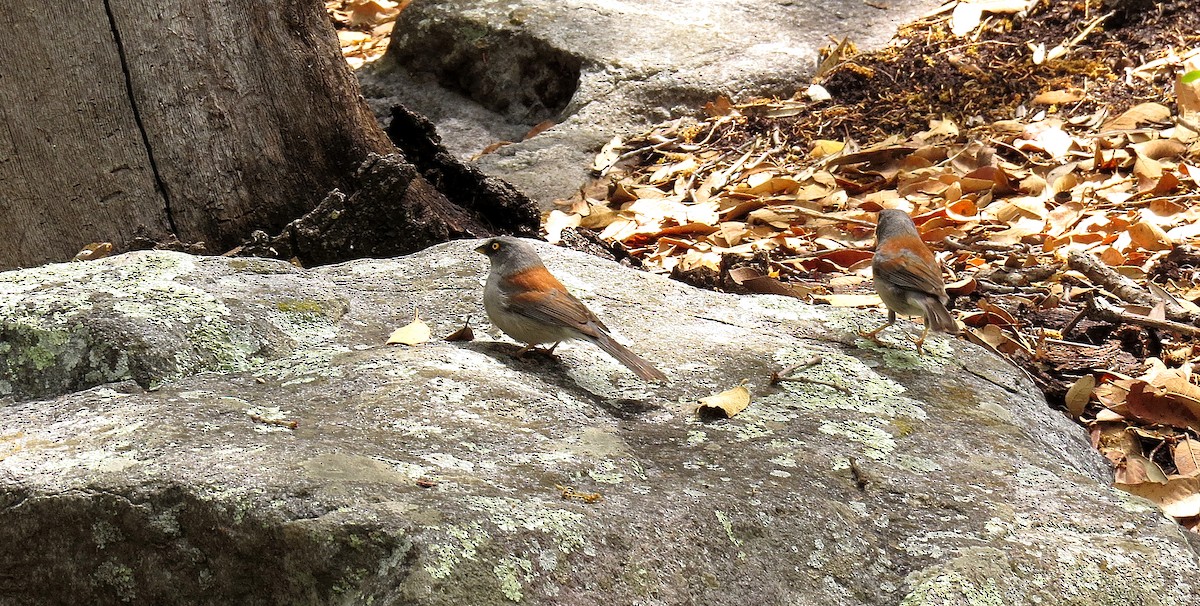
<point x="874" y="334"/>
<point x="921" y="341"/>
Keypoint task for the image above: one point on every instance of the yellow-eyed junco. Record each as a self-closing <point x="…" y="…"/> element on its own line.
<point x="525" y="301"/>
<point x="908" y="277"/>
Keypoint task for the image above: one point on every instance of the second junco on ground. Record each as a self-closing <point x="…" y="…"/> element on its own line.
<point x="525" y="301"/>
<point x="908" y="277"/>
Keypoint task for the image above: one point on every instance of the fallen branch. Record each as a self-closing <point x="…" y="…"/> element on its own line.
<point x="1124" y="288"/>
<point x="1100" y="309"/>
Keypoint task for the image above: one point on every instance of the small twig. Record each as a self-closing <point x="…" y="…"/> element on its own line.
<point x="800" y="210"/>
<point x="787" y="372"/>
<point x="973" y="44"/>
<point x="785" y="375"/>
<point x="654" y="147"/>
<point x="1075" y="320"/>
<point x="290" y="424"/>
<point x="984" y="246"/>
<point x="987" y="286"/>
<point x="1073" y="343"/>
<point x="1088" y="29"/>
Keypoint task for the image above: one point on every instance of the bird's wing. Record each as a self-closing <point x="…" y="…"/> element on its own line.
<point x="555" y="307"/>
<point x="538" y="295"/>
<point x="907" y="270"/>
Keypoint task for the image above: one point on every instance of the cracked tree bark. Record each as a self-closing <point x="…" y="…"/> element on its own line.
<point x="202" y="120"/>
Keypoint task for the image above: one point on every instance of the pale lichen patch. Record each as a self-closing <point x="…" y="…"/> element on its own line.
<point x="565" y="527"/>
<point x="877" y="443"/>
<point x="606" y="472"/>
<point x="511" y="571"/>
<point x="951" y="587"/>
<point x="865" y="390"/>
<point x="462" y="543"/>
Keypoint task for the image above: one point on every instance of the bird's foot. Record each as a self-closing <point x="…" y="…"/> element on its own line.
<point x="533" y="348"/>
<point x="873" y="335"/>
<point x="920" y="342"/>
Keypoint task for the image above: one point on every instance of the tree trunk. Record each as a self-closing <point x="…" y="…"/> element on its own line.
<point x="199" y="119"/>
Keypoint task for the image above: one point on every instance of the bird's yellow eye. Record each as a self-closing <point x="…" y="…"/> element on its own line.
<point x="495" y="246"/>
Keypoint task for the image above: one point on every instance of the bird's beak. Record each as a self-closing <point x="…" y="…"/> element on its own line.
<point x="481" y="249"/>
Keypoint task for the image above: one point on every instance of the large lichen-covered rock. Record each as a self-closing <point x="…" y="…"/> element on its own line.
<point x="269" y="449"/>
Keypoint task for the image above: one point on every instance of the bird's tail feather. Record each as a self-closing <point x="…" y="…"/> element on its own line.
<point x="639" y="366"/>
<point x="938" y="318"/>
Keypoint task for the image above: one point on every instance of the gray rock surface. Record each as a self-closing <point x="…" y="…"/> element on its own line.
<point x="166" y="471"/>
<point x="486" y="70"/>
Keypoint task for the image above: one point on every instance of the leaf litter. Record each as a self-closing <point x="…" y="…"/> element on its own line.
<point x="364" y="27"/>
<point x="1049" y="154"/>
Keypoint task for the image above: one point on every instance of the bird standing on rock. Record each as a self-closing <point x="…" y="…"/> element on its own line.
<point x="530" y="305"/>
<point x="908" y="277"/>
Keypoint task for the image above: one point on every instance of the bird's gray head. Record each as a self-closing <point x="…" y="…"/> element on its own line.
<point x="510" y="253"/>
<point x="894" y="222"/>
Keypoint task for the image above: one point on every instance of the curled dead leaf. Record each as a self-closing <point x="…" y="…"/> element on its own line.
<point x="93" y="251"/>
<point x="724" y="405"/>
<point x="1160" y="148"/>
<point x="463" y="334"/>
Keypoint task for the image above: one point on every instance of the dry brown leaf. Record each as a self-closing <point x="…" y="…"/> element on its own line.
<point x="538" y="129"/>
<point x="463" y="334"/>
<point x="1058" y="97"/>
<point x="754" y="281"/>
<point x="93" y="251"/>
<point x="822" y="148"/>
<point x="1137" y="469"/>
<point x="719" y="107"/>
<point x="371" y="12"/>
<point x="1080" y="394"/>
<point x="726" y="404"/>
<point x="1162" y="405"/>
<point x="1160" y="148"/>
<point x="1187" y="95"/>
<point x="1149" y="236"/>
<point x="1179" y="497"/>
<point x="1186" y="455"/>
<point x="413" y="333"/>
<point x="962" y="287"/>
<point x="556" y="221"/>
<point x="608" y="156"/>
<point x="1137" y="115"/>
<point x="992" y="336"/>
